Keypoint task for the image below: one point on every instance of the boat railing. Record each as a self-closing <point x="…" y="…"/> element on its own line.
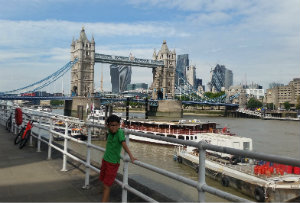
<point x="46" y="123"/>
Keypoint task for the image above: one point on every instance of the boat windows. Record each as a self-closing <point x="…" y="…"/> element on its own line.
<point x="173" y="136"/>
<point x="160" y="134"/>
<point x="246" y="146"/>
<point x="192" y="138"/>
<point x="181" y="137"/>
<point x="187" y="138"/>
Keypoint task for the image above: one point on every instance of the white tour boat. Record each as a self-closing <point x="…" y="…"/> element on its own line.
<point x="185" y="130"/>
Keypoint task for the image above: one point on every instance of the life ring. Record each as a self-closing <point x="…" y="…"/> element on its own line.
<point x="259" y="194"/>
<point x="225" y="181"/>
<point x="179" y="159"/>
<point x="18" y="116"/>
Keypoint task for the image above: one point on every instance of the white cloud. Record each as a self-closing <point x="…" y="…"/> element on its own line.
<point x="257" y="38"/>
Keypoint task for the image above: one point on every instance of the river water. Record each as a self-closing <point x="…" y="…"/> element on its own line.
<point x="273" y="137"/>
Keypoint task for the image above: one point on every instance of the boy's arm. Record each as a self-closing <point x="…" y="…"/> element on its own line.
<point x="128" y="151"/>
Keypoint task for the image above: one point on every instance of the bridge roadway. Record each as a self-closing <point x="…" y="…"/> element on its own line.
<point x="27" y="176"/>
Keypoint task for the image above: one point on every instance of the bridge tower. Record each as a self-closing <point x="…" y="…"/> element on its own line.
<point x="82" y="73"/>
<point x="164" y="77"/>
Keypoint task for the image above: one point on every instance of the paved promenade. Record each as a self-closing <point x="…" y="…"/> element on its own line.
<point x="28" y="176"/>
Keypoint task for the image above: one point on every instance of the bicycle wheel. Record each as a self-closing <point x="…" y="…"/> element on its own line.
<point x="19" y="136"/>
<point x="24" y="141"/>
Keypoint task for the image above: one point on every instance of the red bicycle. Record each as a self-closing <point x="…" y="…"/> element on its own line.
<point x="24" y="134"/>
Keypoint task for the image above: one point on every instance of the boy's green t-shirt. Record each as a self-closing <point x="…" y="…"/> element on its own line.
<point x="114" y="146"/>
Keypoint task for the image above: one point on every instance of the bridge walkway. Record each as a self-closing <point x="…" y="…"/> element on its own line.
<point x="27" y="176"/>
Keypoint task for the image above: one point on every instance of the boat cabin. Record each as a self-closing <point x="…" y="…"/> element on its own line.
<point x="171" y="127"/>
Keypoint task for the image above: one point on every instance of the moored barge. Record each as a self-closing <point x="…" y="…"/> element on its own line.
<point x="271" y="186"/>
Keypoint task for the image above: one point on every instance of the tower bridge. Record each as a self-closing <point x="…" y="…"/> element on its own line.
<point x="83" y="59"/>
<point x="163" y="66"/>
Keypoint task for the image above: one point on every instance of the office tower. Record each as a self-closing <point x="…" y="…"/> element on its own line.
<point x="190" y="72"/>
<point x="182" y="63"/>
<point x="220" y="77"/>
<point x="120" y="77"/>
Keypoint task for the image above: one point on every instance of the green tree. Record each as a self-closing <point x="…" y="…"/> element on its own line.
<point x="254" y="103"/>
<point x="287" y="105"/>
<point x="214" y="95"/>
<point x="270" y="106"/>
<point x="56" y="102"/>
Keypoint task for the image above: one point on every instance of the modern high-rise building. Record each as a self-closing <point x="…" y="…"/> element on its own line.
<point x="120" y="77"/>
<point x="190" y="72"/>
<point x="182" y="63"/>
<point x="228" y="78"/>
<point x="220" y="77"/>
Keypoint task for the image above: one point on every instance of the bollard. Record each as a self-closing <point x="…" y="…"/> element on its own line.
<point x="88" y="160"/>
<point x="39" y="136"/>
<point x="50" y="139"/>
<point x="64" y="168"/>
<point x="125" y="171"/>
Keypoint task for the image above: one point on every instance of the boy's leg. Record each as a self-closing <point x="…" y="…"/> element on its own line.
<point x="105" y="195"/>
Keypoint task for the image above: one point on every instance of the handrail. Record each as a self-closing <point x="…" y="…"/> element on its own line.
<point x="200" y="185"/>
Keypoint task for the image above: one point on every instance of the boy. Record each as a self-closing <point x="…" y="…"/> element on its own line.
<point x="111" y="158"/>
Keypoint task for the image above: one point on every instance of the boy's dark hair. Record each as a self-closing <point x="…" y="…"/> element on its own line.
<point x="113" y="118"/>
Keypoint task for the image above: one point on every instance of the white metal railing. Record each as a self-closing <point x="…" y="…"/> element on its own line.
<point x="200" y="185"/>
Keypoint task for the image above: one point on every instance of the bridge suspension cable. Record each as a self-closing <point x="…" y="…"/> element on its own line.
<point x="47" y="80"/>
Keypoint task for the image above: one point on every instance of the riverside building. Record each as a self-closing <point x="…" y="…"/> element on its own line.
<point x="280" y="94"/>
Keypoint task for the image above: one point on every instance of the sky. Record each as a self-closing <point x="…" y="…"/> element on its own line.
<point x="259" y="40"/>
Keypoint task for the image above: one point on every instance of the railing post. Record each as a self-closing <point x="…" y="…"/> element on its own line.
<point x="64" y="168"/>
<point x="88" y="160"/>
<point x="12" y="125"/>
<point x="50" y="139"/>
<point x="30" y="139"/>
<point x="201" y="174"/>
<point x="125" y="171"/>
<point x="39" y="136"/>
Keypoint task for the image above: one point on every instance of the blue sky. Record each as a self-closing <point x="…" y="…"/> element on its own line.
<point x="257" y="39"/>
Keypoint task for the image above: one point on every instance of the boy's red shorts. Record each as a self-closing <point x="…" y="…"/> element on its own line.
<point x="108" y="172"/>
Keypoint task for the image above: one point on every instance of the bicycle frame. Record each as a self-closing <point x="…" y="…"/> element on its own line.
<point x="29" y="125"/>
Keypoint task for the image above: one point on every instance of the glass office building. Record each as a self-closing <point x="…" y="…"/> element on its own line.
<point x="120" y="77"/>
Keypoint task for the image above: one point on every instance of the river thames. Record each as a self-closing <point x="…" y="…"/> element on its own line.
<point x="272" y="137"/>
